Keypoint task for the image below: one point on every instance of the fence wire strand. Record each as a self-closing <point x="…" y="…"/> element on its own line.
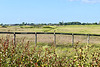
<point x="49" y="39"/>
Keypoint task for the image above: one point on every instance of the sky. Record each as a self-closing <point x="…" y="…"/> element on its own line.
<point x="49" y="11"/>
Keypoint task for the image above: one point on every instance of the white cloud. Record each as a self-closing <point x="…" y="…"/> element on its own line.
<point x="91" y="1"/>
<point x="88" y="1"/>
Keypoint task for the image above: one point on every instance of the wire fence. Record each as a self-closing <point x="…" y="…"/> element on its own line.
<point x="51" y="38"/>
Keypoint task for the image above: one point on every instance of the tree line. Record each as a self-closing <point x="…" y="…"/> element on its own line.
<point x="60" y="23"/>
<point x="78" y="23"/>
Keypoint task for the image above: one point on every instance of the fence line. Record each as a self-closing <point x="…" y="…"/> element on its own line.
<point x="48" y="33"/>
<point x="88" y="38"/>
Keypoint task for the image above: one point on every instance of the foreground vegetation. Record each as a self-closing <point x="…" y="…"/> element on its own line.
<point x="27" y="55"/>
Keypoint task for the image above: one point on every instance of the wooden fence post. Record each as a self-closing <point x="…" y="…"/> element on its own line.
<point x="88" y="39"/>
<point x="35" y="39"/>
<point x="72" y="39"/>
<point x="14" y="38"/>
<point x="54" y="38"/>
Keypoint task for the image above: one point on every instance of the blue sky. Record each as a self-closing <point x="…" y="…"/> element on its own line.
<point x="49" y="11"/>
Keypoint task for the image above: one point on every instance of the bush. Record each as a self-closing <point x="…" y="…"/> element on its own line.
<point x="47" y="27"/>
<point x="24" y="54"/>
<point x="4" y="26"/>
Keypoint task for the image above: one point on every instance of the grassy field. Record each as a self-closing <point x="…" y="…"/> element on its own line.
<point x="87" y="29"/>
<point x="61" y="39"/>
<point x="91" y="29"/>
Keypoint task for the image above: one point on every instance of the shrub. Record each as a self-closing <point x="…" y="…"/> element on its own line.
<point x="25" y="55"/>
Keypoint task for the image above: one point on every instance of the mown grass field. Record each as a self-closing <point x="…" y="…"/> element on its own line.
<point x="87" y="29"/>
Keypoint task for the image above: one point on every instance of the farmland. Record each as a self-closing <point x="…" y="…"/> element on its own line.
<point x="26" y="54"/>
<point x="92" y="29"/>
<point x="61" y="39"/>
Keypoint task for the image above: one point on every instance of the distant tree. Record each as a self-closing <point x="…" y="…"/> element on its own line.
<point x="26" y="23"/>
<point x="99" y="23"/>
<point x="83" y="23"/>
<point x="4" y="26"/>
<point x="69" y="23"/>
<point x="23" y="23"/>
<point x="95" y="23"/>
<point x="49" y="23"/>
<point x="88" y="23"/>
<point x="1" y="24"/>
<point x="72" y="23"/>
<point x="32" y="24"/>
<point x="61" y="23"/>
<point x="65" y="23"/>
<point x="75" y="23"/>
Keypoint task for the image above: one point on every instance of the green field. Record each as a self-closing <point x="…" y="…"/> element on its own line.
<point x="87" y="29"/>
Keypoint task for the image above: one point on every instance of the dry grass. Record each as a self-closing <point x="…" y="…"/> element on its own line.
<point x="49" y="38"/>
